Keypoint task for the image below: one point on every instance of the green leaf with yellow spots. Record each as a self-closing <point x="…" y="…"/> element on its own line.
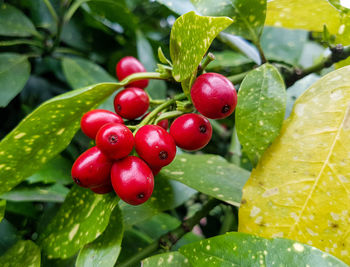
<point x="260" y="110"/>
<point x="14" y="73"/>
<point x="23" y="253"/>
<point x="190" y="38"/>
<point x="82" y="218"/>
<point x="104" y="251"/>
<point x="343" y="37"/>
<point x="209" y="174"/>
<point x="309" y="15"/>
<point x="239" y="249"/>
<point x="171" y="259"/>
<point x="301" y="186"/>
<point x="14" y="23"/>
<point x="167" y="195"/>
<point x="46" y="132"/>
<point x="248" y="15"/>
<point x="2" y="209"/>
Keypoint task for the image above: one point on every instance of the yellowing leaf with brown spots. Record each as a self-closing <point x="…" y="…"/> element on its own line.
<point x="303" y="14"/>
<point x="301" y="187"/>
<point x="190" y="38"/>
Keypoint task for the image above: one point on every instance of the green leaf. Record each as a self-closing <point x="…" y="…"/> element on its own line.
<point x="248" y="15"/>
<point x="283" y="45"/>
<point x="228" y="59"/>
<point x="303" y="14"/>
<point x="14" y="73"/>
<point x="104" y="251"/>
<point x="23" y="253"/>
<point x="178" y="6"/>
<point x="174" y="259"/>
<point x="46" y="132"/>
<point x="167" y="195"/>
<point x="190" y="38"/>
<point x="81" y="72"/>
<point x="238" y="249"/>
<point x="8" y="234"/>
<point x="260" y="110"/>
<point x="55" y="171"/>
<point x="82" y="218"/>
<point x="14" y="23"/>
<point x="2" y="209"/>
<point x="156" y="88"/>
<point x="53" y="193"/>
<point x="209" y="174"/>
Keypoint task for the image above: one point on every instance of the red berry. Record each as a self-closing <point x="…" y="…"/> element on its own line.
<point x="103" y="189"/>
<point x="92" y="168"/>
<point x="93" y="120"/>
<point x="155" y="171"/>
<point x="214" y="96"/>
<point x="132" y="180"/>
<point x="191" y="131"/>
<point x="131" y="103"/>
<point x="127" y="66"/>
<point x="115" y="140"/>
<point x="155" y="146"/>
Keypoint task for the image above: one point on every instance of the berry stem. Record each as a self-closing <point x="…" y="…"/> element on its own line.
<point x="169" y="115"/>
<point x="158" y="109"/>
<point x="209" y="58"/>
<point x="169" y="239"/>
<point x="144" y="76"/>
<point x="156" y="102"/>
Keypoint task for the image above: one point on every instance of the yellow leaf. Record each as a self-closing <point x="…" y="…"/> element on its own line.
<point x="343" y="37"/>
<point x="301" y="187"/>
<point x="303" y="14"/>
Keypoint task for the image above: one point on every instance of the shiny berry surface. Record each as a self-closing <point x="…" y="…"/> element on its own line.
<point x="191" y="131"/>
<point x="115" y="140"/>
<point x="132" y="180"/>
<point x="127" y="66"/>
<point x="103" y="189"/>
<point x="155" y="146"/>
<point x="214" y="96"/>
<point x="131" y="103"/>
<point x="92" y="168"/>
<point x="93" y="120"/>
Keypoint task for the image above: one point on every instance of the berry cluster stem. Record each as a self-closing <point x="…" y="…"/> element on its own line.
<point x="167" y="240"/>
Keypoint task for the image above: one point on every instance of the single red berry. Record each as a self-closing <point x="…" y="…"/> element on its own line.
<point x="155" y="146"/>
<point x="130" y="65"/>
<point x="92" y="168"/>
<point x="103" y="189"/>
<point x="132" y="180"/>
<point x="93" y="120"/>
<point x="131" y="103"/>
<point x="191" y="131"/>
<point x="115" y="140"/>
<point x="163" y="123"/>
<point x="155" y="171"/>
<point x="214" y="96"/>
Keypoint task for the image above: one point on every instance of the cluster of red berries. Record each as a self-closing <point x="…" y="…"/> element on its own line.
<point x="109" y="165"/>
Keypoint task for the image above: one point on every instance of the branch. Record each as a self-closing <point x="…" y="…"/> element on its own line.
<point x="167" y="240"/>
<point x="338" y="53"/>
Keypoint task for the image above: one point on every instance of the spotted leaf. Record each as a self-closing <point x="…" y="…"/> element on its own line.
<point x="46" y="132"/>
<point x="14" y="23"/>
<point x="260" y="110"/>
<point x="167" y="195"/>
<point x="301" y="186"/>
<point x="343" y="37"/>
<point x="303" y="14"/>
<point x="238" y="249"/>
<point x="105" y="250"/>
<point x="208" y="174"/>
<point x="190" y="38"/>
<point x="174" y="259"/>
<point x="23" y="253"/>
<point x="82" y="218"/>
<point x="14" y="73"/>
<point x="248" y="15"/>
<point x="2" y="209"/>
